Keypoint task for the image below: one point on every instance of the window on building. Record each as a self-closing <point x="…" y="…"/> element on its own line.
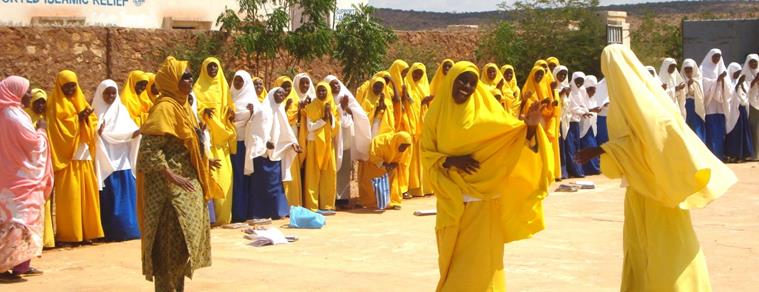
<point x="614" y="34"/>
<point x="171" y="23"/>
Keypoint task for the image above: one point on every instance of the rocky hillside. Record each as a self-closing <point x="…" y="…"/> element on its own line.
<point x="676" y="10"/>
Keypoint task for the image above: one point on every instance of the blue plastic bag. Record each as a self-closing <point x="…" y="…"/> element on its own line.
<point x="306" y="219"/>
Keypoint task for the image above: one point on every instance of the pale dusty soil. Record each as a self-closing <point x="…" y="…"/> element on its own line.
<point x="580" y="250"/>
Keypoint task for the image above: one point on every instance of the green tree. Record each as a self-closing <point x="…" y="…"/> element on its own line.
<point x="264" y="38"/>
<point x="567" y="29"/>
<point x="361" y="45"/>
<point x="655" y="39"/>
<point x="204" y="44"/>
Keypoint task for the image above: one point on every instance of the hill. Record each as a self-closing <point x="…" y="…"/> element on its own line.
<point x="676" y="10"/>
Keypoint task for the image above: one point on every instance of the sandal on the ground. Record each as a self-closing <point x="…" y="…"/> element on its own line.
<point x="8" y="278"/>
<point x="32" y="272"/>
<point x="396" y="208"/>
<point x="407" y="196"/>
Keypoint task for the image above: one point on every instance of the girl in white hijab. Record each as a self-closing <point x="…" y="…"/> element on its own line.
<point x="272" y="167"/>
<point x="356" y="136"/>
<point x="751" y="71"/>
<point x="118" y="142"/>
<point x="716" y="92"/>
<point x="578" y="111"/>
<point x="738" y="143"/>
<point x="563" y="88"/>
<point x="673" y="83"/>
<point x="602" y="100"/>
<point x="694" y="98"/>
<point x="588" y="124"/>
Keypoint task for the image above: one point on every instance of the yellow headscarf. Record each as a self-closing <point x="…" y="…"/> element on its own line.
<point x="417" y="90"/>
<point x="138" y="105"/>
<point x="63" y="127"/>
<point x="439" y="76"/>
<point x="650" y="145"/>
<point x="292" y="112"/>
<point x="533" y="91"/>
<point x="553" y="60"/>
<point x="172" y="115"/>
<point x="370" y="103"/>
<point x="396" y="73"/>
<point x="512" y="95"/>
<point x="151" y="82"/>
<point x="213" y="92"/>
<point x="486" y="80"/>
<point x="323" y="137"/>
<point x="37" y="94"/>
<point x="262" y="95"/>
<point x="509" y="169"/>
<point x="389" y="90"/>
<point x="384" y="148"/>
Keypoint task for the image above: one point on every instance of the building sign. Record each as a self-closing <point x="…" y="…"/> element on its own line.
<point x="112" y="3"/>
<point x="340" y="14"/>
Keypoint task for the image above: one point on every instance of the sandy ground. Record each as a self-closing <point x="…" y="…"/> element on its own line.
<point x="580" y="250"/>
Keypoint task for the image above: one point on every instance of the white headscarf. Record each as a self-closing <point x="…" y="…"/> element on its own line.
<point x="577" y="97"/>
<point x="652" y="70"/>
<point x="258" y="128"/>
<point x="712" y="92"/>
<point x="310" y="92"/>
<point x="282" y="135"/>
<point x="591" y="102"/>
<point x="566" y="115"/>
<point x="206" y="135"/>
<point x="673" y="79"/>
<point x="360" y="129"/>
<point x="115" y="150"/>
<point x="602" y="96"/>
<point x="242" y="98"/>
<point x="737" y="97"/>
<point x="753" y="92"/>
<point x="697" y="87"/>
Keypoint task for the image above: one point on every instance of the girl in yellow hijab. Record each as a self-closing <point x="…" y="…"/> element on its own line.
<point x="71" y="130"/>
<point x="135" y="96"/>
<point x="491" y="76"/>
<point x="216" y="109"/>
<point x="667" y="170"/>
<point x="152" y="89"/>
<point x="36" y="110"/>
<point x="388" y="153"/>
<point x="418" y="89"/>
<point x="321" y="168"/>
<point x="442" y="70"/>
<point x="536" y="90"/>
<point x="398" y="71"/>
<point x="489" y="173"/>
<point x="261" y="91"/>
<point x="512" y="95"/>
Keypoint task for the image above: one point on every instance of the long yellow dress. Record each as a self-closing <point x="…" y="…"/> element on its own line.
<point x="384" y="149"/>
<point x="667" y="171"/>
<point x="294" y="188"/>
<point x="48" y="239"/>
<point x="417" y="90"/>
<point x="321" y="167"/>
<point x="534" y="92"/>
<point x="213" y="93"/>
<point x="501" y="202"/>
<point x="511" y="93"/>
<point x="77" y="201"/>
<point x="382" y="122"/>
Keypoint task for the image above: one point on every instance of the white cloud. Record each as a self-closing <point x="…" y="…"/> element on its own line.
<point x="462" y="5"/>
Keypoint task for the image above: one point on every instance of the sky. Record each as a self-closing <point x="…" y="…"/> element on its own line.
<point x="462" y="5"/>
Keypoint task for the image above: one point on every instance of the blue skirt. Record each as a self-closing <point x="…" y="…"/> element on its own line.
<point x="603" y="131"/>
<point x="267" y="193"/>
<point x="572" y="143"/>
<point x="738" y="143"/>
<point x="592" y="167"/>
<point x="563" y="155"/>
<point x="240" y="182"/>
<point x="693" y="120"/>
<point x="118" y="207"/>
<point x="715" y="134"/>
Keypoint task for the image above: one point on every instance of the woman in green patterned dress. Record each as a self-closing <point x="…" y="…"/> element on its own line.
<point x="176" y="235"/>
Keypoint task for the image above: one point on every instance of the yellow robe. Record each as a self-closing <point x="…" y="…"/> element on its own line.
<point x="534" y="92"/>
<point x="213" y="93"/>
<point x="294" y="188"/>
<point x="667" y="170"/>
<point x="417" y="90"/>
<point x="439" y="76"/>
<point x="321" y="167"/>
<point x="396" y="74"/>
<point x="511" y="93"/>
<point x="508" y="188"/>
<point x="384" y="149"/>
<point x="77" y="201"/>
<point x="48" y="233"/>
<point x="138" y="105"/>
<point x="382" y="123"/>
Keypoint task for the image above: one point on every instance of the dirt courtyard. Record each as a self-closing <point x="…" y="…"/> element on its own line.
<point x="580" y="250"/>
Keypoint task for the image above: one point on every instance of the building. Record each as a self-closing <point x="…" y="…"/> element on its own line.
<point x="617" y="28"/>
<point x="167" y="14"/>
